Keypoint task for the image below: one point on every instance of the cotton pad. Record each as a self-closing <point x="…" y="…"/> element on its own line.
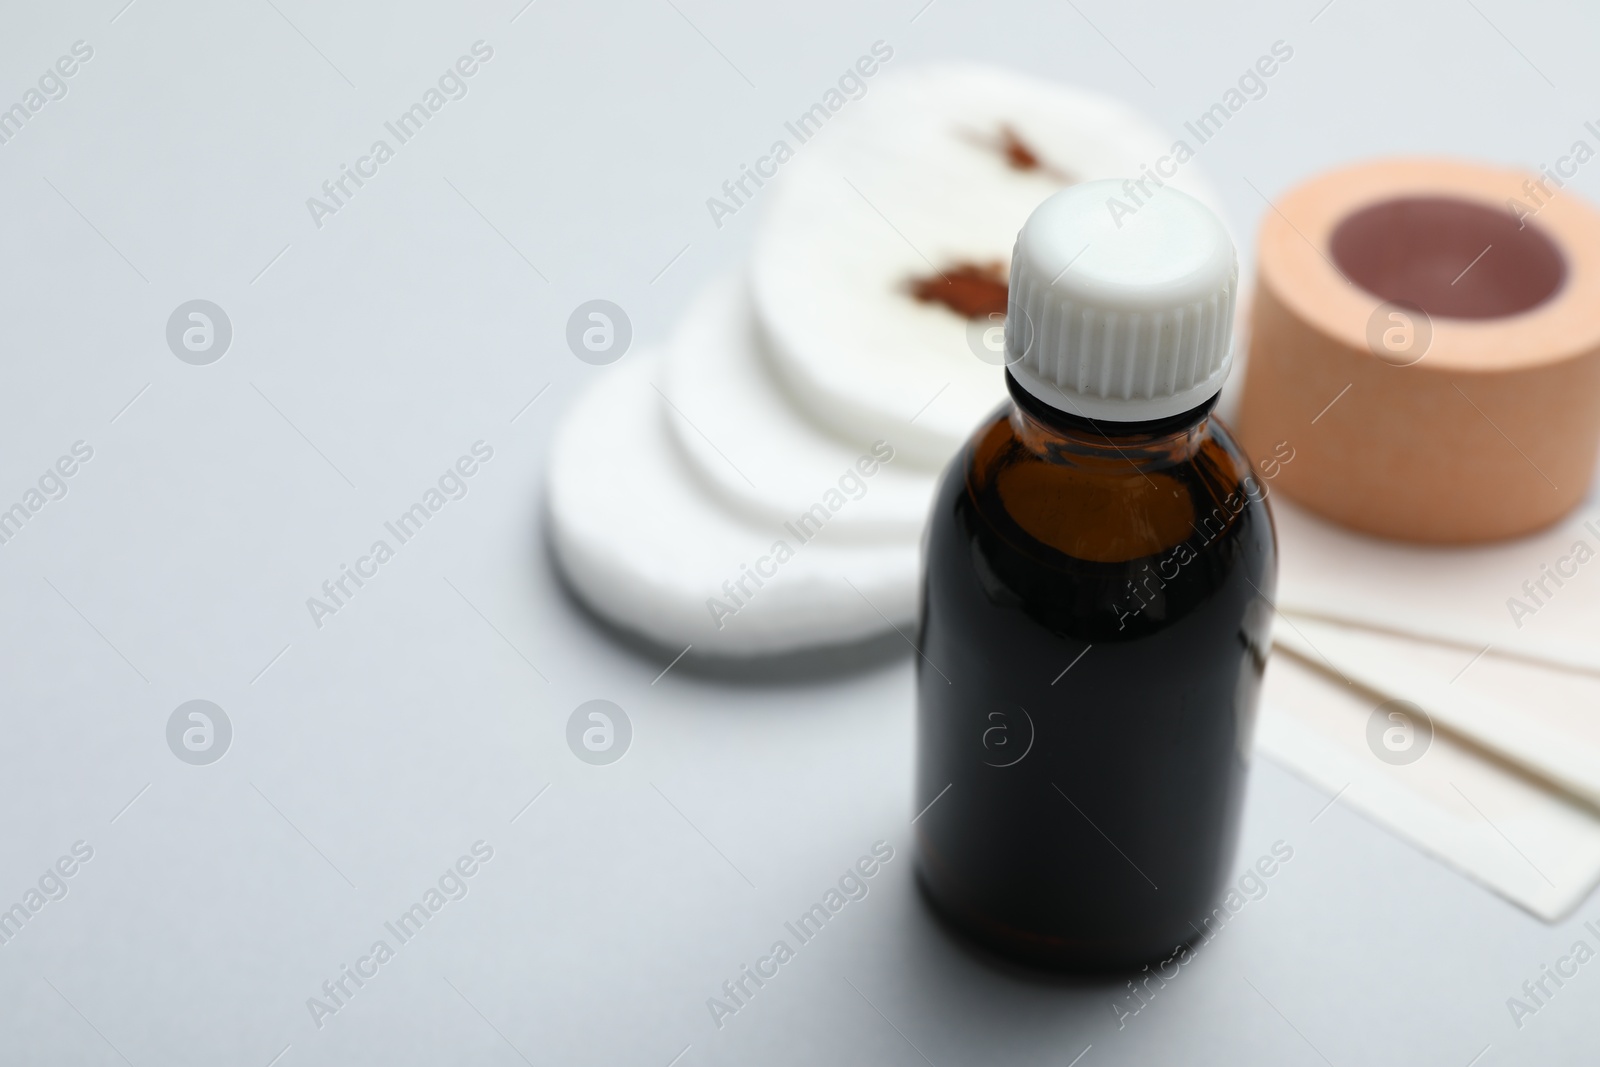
<point x="645" y="546"/>
<point x="758" y="453"/>
<point x="920" y="187"/>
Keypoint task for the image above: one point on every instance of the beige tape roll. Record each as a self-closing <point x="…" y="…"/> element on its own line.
<point x="1426" y="340"/>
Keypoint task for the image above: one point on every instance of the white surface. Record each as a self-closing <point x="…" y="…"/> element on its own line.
<point x="647" y="548"/>
<point x="1127" y="318"/>
<point x="410" y="725"/>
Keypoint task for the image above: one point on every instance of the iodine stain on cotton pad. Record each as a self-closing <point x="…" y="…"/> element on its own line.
<point x="647" y="548"/>
<point x="886" y="238"/>
<point x="759" y="455"/>
<point x="972" y="290"/>
<point x="1020" y="155"/>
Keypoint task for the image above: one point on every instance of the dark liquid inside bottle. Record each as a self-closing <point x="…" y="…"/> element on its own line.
<point x="1095" y="624"/>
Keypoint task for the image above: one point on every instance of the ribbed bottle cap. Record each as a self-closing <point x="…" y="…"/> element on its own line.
<point x="1121" y="304"/>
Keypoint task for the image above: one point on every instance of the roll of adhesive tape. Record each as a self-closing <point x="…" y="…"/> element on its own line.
<point x="1425" y="349"/>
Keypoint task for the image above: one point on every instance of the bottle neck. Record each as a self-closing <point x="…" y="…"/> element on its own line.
<point x="1046" y="429"/>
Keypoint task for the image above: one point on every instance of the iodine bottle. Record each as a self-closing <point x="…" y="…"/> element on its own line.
<point x="1097" y="601"/>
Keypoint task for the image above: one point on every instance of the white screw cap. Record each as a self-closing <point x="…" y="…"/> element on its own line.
<point x="1121" y="303"/>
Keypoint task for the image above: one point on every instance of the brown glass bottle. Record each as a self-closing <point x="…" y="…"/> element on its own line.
<point x="1095" y="623"/>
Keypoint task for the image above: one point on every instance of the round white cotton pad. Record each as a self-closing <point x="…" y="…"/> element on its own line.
<point x="757" y="452"/>
<point x="647" y="548"/>
<point x="922" y="185"/>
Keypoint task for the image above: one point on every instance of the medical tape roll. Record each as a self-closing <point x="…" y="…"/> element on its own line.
<point x="1425" y="347"/>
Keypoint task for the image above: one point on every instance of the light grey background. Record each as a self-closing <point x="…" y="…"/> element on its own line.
<point x="376" y="750"/>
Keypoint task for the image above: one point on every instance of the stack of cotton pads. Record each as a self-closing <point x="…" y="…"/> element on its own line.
<point x="760" y="485"/>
